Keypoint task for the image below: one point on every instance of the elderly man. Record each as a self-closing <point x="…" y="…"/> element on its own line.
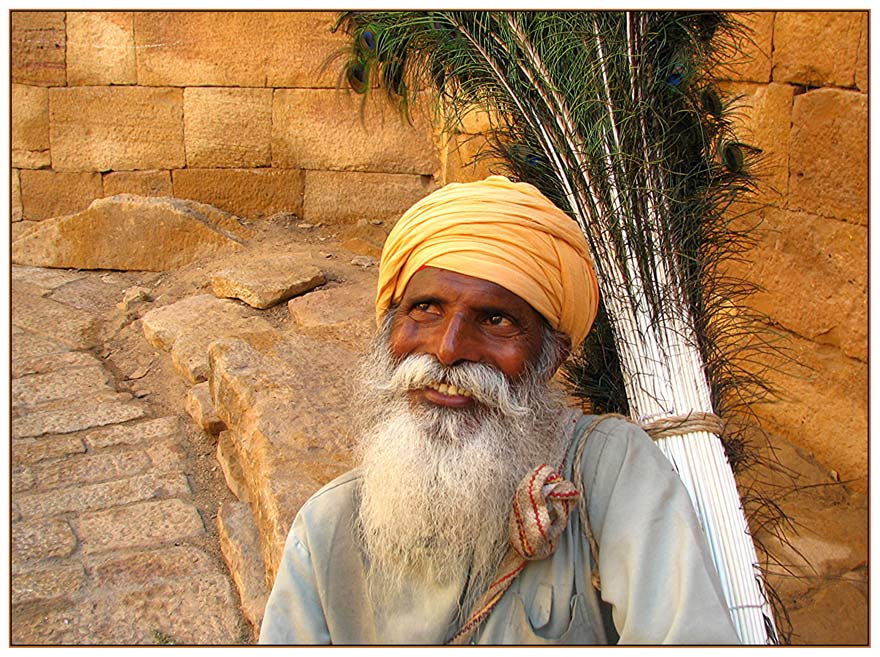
<point x="449" y="531"/>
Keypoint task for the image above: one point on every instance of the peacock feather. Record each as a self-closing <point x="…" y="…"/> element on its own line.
<point x="616" y="117"/>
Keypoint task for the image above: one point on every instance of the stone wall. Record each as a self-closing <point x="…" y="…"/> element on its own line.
<point x="239" y="110"/>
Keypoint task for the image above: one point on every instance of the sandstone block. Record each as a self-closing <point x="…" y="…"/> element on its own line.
<point x="248" y="193"/>
<point x="76" y="415"/>
<point x="862" y="57"/>
<point x="46" y="193"/>
<point x="91" y="468"/>
<point x="30" y="120"/>
<point x="116" y="128"/>
<point x="200" y="407"/>
<point x="262" y="283"/>
<point x="27" y="346"/>
<point x="345" y="197"/>
<point x="48" y="279"/>
<point x="326" y="129"/>
<point x="16" y="212"/>
<point x="131" y="232"/>
<point x="240" y="544"/>
<point x="58" y="321"/>
<point x="47" y="582"/>
<point x="31" y="159"/>
<point x="236" y="49"/>
<point x="129" y="570"/>
<point x="90" y="293"/>
<point x="100" y="48"/>
<point x="21" y="478"/>
<point x="144" y="432"/>
<point x="227" y="127"/>
<point x="753" y="59"/>
<point x="144" y="524"/>
<point x="816" y="48"/>
<point x="46" y="447"/>
<point x="38" y="43"/>
<point x="52" y="363"/>
<point x="35" y="389"/>
<point x="344" y="310"/>
<point x="467" y="161"/>
<point x="92" y="497"/>
<point x="829" y="166"/>
<point x="167" y="455"/>
<point x="228" y="458"/>
<point x="35" y="540"/>
<point x="141" y="183"/>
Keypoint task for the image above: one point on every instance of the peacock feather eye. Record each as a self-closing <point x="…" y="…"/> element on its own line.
<point x="367" y="41"/>
<point x="357" y="77"/>
<point x="711" y="102"/>
<point x="733" y="157"/>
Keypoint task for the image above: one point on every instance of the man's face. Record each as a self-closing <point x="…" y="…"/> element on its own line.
<point x="458" y="318"/>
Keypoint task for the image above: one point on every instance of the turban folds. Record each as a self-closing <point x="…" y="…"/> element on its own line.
<point x="500" y="231"/>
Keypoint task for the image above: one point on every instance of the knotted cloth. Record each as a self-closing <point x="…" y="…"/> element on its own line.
<point x="541" y="506"/>
<point x="500" y="231"/>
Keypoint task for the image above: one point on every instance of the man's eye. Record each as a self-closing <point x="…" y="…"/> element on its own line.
<point x="498" y="320"/>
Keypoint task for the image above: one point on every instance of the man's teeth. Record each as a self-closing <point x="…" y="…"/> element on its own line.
<point x="450" y="390"/>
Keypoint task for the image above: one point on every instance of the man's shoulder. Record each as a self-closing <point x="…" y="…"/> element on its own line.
<point x="608" y="441"/>
<point x="339" y="491"/>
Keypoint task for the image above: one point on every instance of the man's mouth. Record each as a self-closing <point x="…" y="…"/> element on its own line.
<point x="444" y="394"/>
<point x="449" y="390"/>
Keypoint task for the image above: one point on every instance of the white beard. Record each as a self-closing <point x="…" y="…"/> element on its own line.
<point x="438" y="482"/>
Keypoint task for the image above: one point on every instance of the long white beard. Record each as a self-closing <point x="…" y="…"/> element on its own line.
<point x="438" y="482"/>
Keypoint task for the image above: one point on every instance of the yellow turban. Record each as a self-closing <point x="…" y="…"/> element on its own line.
<point x="500" y="231"/>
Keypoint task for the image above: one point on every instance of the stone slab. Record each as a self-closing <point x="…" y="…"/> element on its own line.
<point x="53" y="362"/>
<point x="30" y="120"/>
<point x="240" y="544"/>
<point x="133" y="433"/>
<point x="91" y="497"/>
<point x="335" y="307"/>
<point x="28" y="347"/>
<point x="16" y="212"/>
<point x="141" y="183"/>
<point x="227" y="127"/>
<point x="37" y="47"/>
<point x="201" y="409"/>
<point x="251" y="193"/>
<point x="55" y="320"/>
<point x="45" y="278"/>
<point x="816" y="48"/>
<point x="116" y="128"/>
<point x="753" y="60"/>
<point x="47" y="582"/>
<point x="132" y="570"/>
<point x="91" y="468"/>
<point x="30" y="450"/>
<point x="36" y="540"/>
<point x="138" y="525"/>
<point x="90" y="293"/>
<point x="228" y="458"/>
<point x="167" y="455"/>
<point x="35" y="389"/>
<point x="47" y="193"/>
<point x="76" y="416"/>
<point x="100" y="48"/>
<point x="131" y="233"/>
<point x="21" y="478"/>
<point x="262" y="283"/>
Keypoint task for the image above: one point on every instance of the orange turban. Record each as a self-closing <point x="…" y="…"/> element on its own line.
<point x="505" y="232"/>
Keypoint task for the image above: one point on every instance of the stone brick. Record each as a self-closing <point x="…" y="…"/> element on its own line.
<point x="46" y="193"/>
<point x="753" y="58"/>
<point x="48" y="447"/>
<point x="240" y="544"/>
<point x="91" y="468"/>
<point x="227" y="127"/>
<point x="816" y="48"/>
<point x="236" y="49"/>
<point x="227" y="457"/>
<point x="346" y="197"/>
<point x="32" y="159"/>
<point x="16" y="212"/>
<point x="133" y="433"/>
<point x="90" y="293"/>
<point x="467" y="160"/>
<point x="144" y="524"/>
<point x="762" y="118"/>
<point x="135" y="569"/>
<point x="264" y="282"/>
<point x="47" y="582"/>
<point x="201" y="409"/>
<point x="21" y="478"/>
<point x="77" y="415"/>
<point x="331" y="129"/>
<point x="829" y="161"/>
<point x="52" y="363"/>
<point x="252" y="193"/>
<point x="30" y="124"/>
<point x="100" y="48"/>
<point x="142" y="183"/>
<point x="27" y="346"/>
<point x="167" y="455"/>
<point x="49" y="318"/>
<point x="862" y="76"/>
<point x="78" y="499"/>
<point x="35" y="389"/>
<point x="21" y="228"/>
<point x="344" y="310"/>
<point x="37" y="47"/>
<point x="48" y="279"/>
<point x="35" y="540"/>
<point x="116" y="128"/>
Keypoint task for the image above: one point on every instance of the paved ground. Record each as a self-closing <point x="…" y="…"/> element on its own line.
<point x="113" y="534"/>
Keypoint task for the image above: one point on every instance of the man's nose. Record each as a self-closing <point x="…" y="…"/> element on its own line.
<point x="455" y="342"/>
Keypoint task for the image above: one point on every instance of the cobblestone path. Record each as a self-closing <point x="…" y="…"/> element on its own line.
<point x="110" y="542"/>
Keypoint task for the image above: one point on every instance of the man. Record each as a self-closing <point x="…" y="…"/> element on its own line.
<point x="484" y="288"/>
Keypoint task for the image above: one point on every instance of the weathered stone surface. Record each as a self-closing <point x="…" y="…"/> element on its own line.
<point x="37" y="47"/>
<point x="466" y="160"/>
<point x="35" y="389"/>
<point x="816" y="48"/>
<point x="227" y="457"/>
<point x="236" y="49"/>
<point x="33" y="348"/>
<point x="35" y="540"/>
<point x="133" y="433"/>
<point x="91" y="468"/>
<point x="240" y="544"/>
<point x="167" y="455"/>
<point x="90" y="293"/>
<point x="134" y="569"/>
<point x="344" y="310"/>
<point x="201" y="409"/>
<point x="16" y="211"/>
<point x="829" y="167"/>
<point x="262" y="283"/>
<point x="52" y="363"/>
<point x="837" y="609"/>
<point x="227" y="127"/>
<point x="49" y="318"/>
<point x="862" y="57"/>
<point x="143" y="524"/>
<point x="21" y="478"/>
<point x="46" y="582"/>
<point x="116" y="128"/>
<point x="129" y="232"/>
<point x="100" y="48"/>
<point x="345" y="197"/>
<point x="47" y="447"/>
<point x="753" y="56"/>
<point x="327" y="129"/>
<point x="48" y="279"/>
<point x="46" y="193"/>
<point x="252" y="193"/>
<point x="141" y="183"/>
<point x="77" y="415"/>
<point x="30" y="124"/>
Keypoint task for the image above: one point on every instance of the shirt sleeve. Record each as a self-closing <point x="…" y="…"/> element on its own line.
<point x="654" y="562"/>
<point x="294" y="614"/>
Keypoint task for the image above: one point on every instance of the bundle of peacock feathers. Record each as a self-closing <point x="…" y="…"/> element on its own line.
<point x="613" y="115"/>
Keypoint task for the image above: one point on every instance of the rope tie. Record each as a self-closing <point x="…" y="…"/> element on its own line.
<point x="678" y="425"/>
